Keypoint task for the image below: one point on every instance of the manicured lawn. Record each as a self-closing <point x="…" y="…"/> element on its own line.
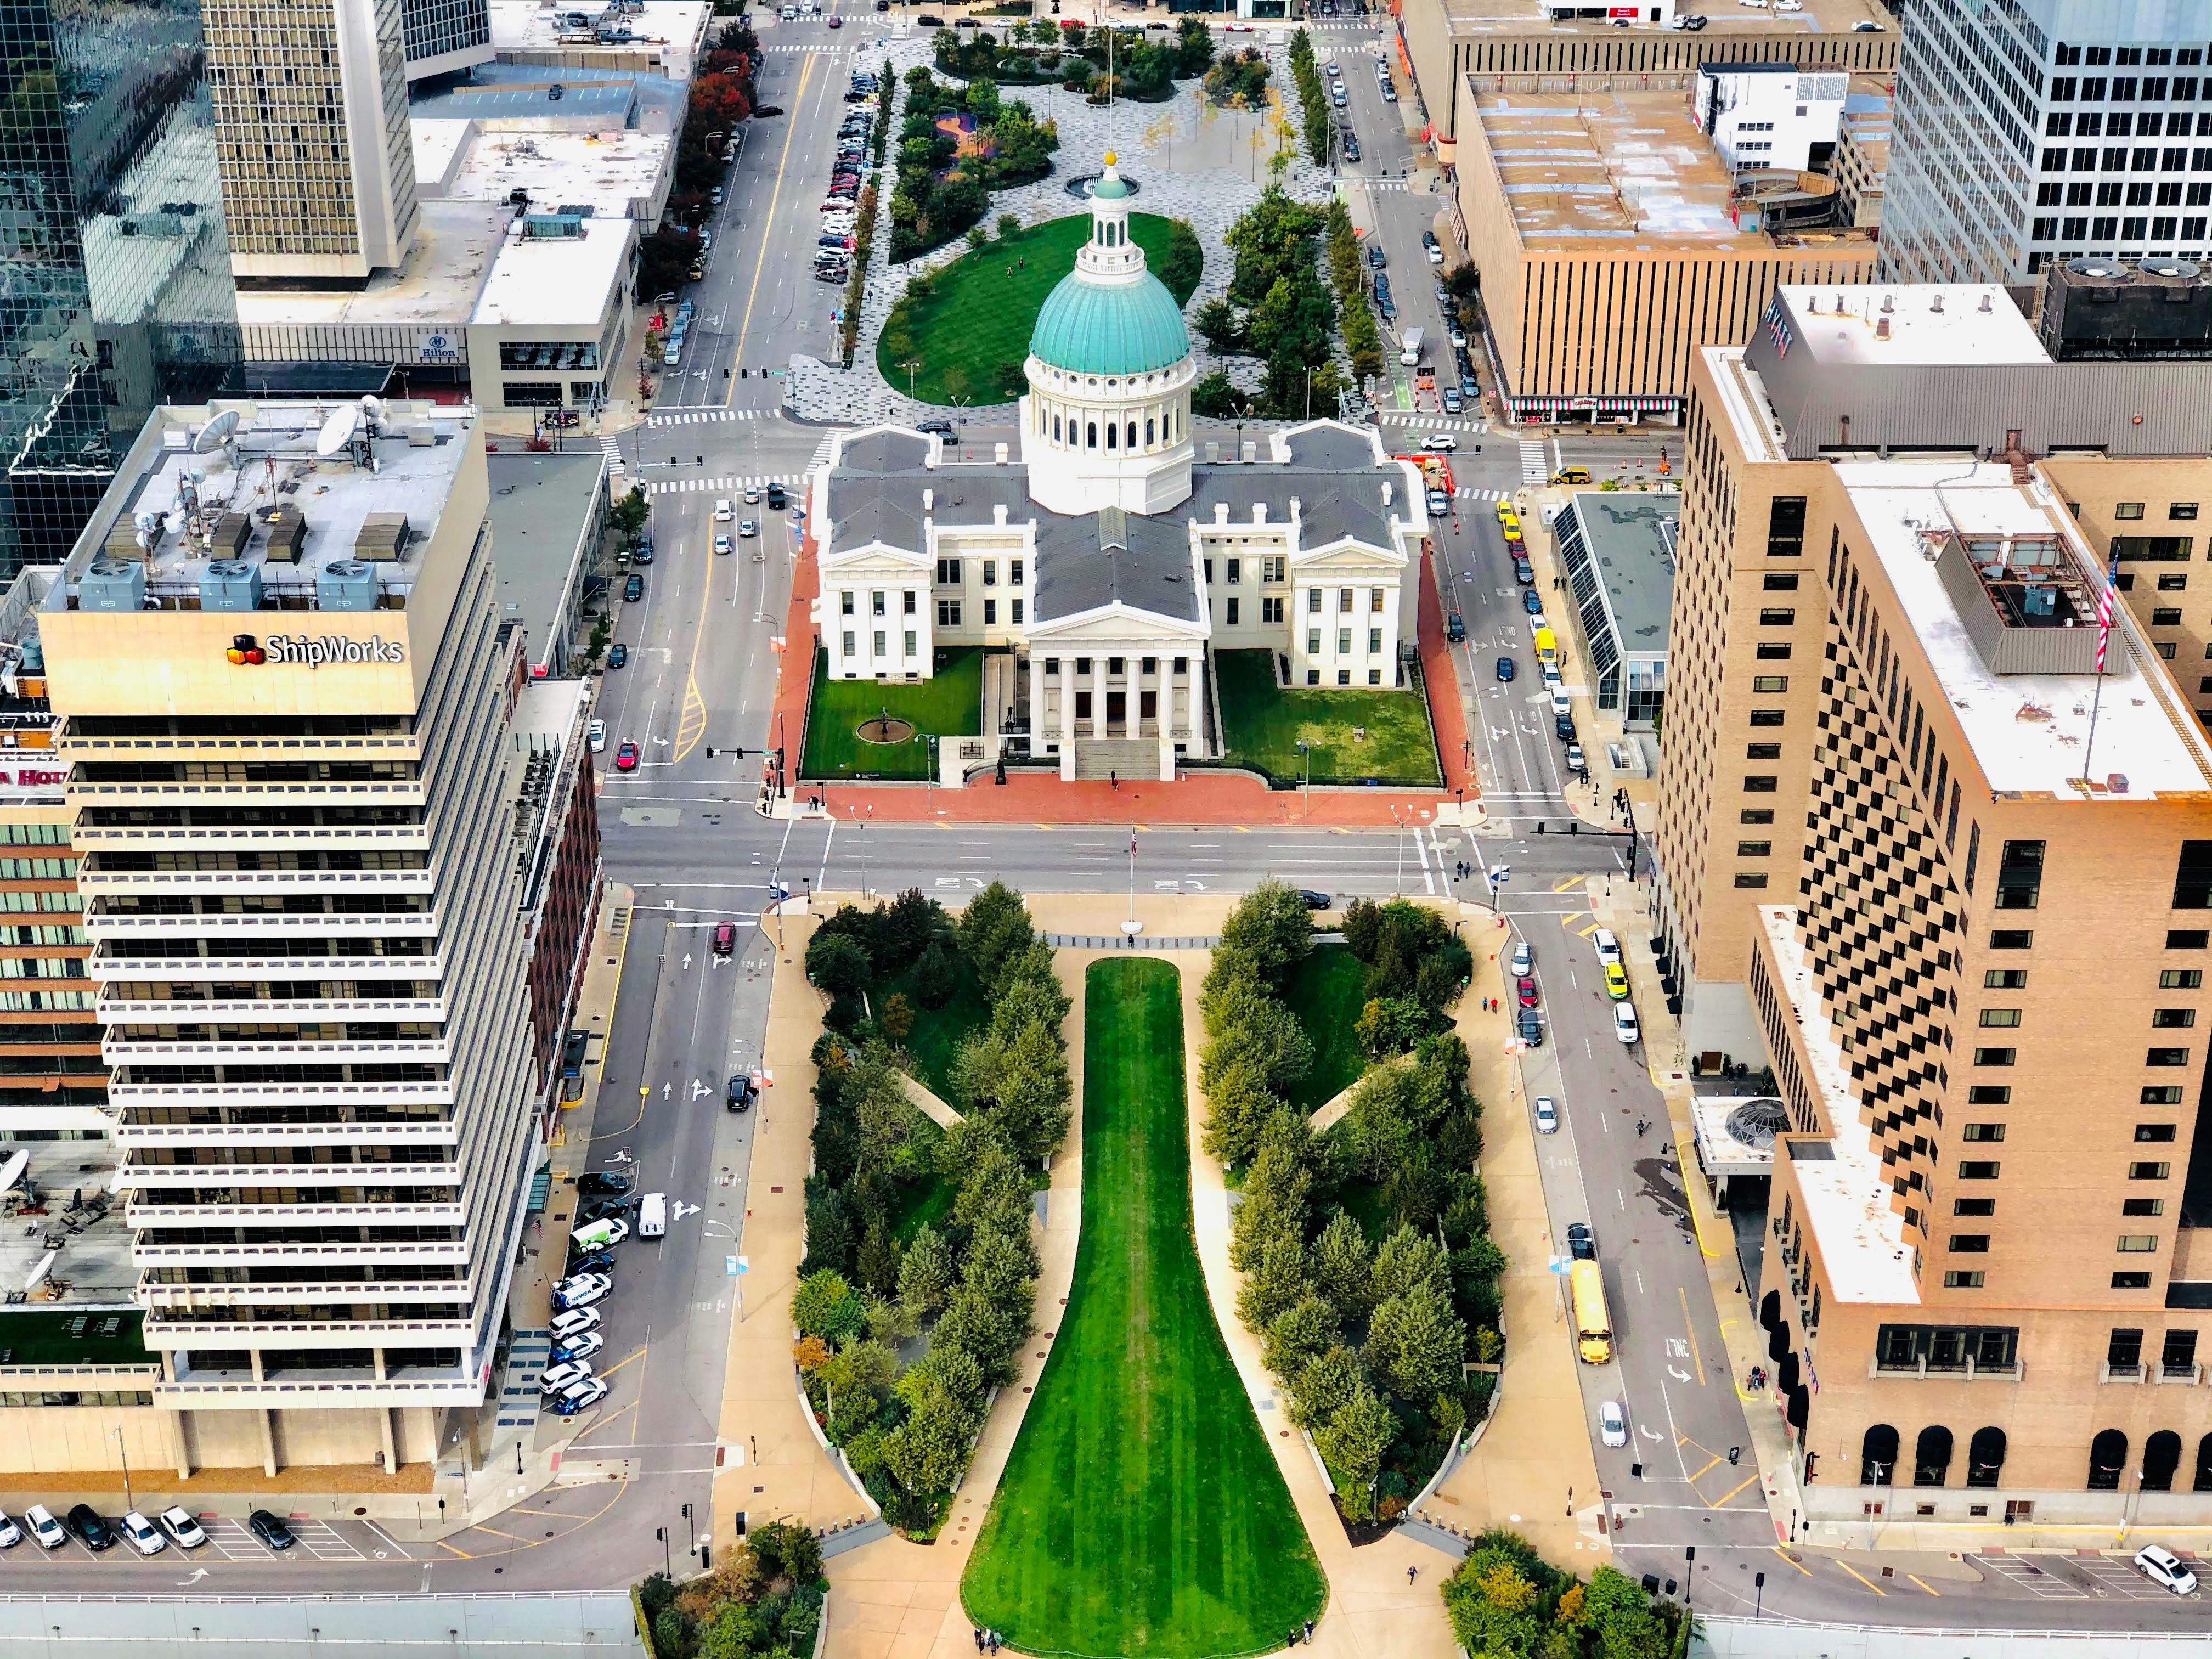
<point x="938" y="1033"/>
<point x="56" y="1337"/>
<point x="1327" y="995"/>
<point x="1262" y="727"/>
<point x="1141" y="1514"/>
<point x="950" y="704"/>
<point x="980" y="317"/>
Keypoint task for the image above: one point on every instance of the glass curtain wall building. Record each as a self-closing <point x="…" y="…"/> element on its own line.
<point x="446" y="35"/>
<point x="2030" y="130"/>
<point x="115" y="289"/>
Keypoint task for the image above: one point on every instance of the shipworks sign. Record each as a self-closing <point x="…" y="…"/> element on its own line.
<point x="296" y="648"/>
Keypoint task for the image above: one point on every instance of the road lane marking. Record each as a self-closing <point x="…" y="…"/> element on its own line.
<point x="760" y="264"/>
<point x="1863" y="1579"/>
<point x="1716" y="1502"/>
<point x="1692" y="1329"/>
<point x="1791" y="1560"/>
<point x="1924" y="1585"/>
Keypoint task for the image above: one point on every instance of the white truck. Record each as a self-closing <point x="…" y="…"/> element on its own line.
<point x="1409" y="348"/>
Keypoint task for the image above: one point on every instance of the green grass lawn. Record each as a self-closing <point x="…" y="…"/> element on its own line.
<point x="1141" y="1514"/>
<point x="1327" y="995"/>
<point x="59" y="1337"/>
<point x="938" y="1033"/>
<point x="980" y="317"/>
<point x="1262" y="727"/>
<point x="948" y="704"/>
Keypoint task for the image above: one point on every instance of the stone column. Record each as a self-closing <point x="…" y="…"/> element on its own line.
<point x="1098" y="694"/>
<point x="1067" y="720"/>
<point x="1037" y="705"/>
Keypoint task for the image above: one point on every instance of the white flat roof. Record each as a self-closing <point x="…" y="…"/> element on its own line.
<point x="1929" y="323"/>
<point x="556" y="281"/>
<point x="669" y="26"/>
<point x="445" y="272"/>
<point x="2029" y="731"/>
<point x="605" y="171"/>
<point x="1846" y="1194"/>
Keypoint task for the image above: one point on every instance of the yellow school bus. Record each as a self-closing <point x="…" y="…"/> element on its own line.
<point x="1593" y="1324"/>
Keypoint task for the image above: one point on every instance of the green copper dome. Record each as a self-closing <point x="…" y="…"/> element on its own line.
<point x="1092" y="328"/>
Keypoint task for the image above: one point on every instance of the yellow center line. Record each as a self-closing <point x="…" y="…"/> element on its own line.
<point x="1863" y="1579"/>
<point x="760" y="265"/>
<point x="619" y="1363"/>
<point x="1924" y="1585"/>
<point x="595" y="1427"/>
<point x="1792" y="1560"/>
<point x="1715" y="1503"/>
<point x="1691" y="1331"/>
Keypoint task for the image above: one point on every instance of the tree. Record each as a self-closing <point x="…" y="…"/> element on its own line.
<point x="1415" y="1343"/>
<point x="825" y="1305"/>
<point x="1409" y="1259"/>
<point x="837" y="964"/>
<point x="926" y="1273"/>
<point x="1184" y="263"/>
<point x="898" y="1017"/>
<point x="1215" y="398"/>
<point x="1320" y="1390"/>
<point x="1362" y="924"/>
<point x="1616" y="1613"/>
<point x="927" y="1452"/>
<point x="1218" y="324"/>
<point x="1271" y="923"/>
<point x="1301" y="1333"/>
<point x="1389" y="1025"/>
<point x="1034" y="1090"/>
<point x="877" y="1262"/>
<point x="1281" y="1278"/>
<point x="1276" y="1192"/>
<point x="1494" y="1606"/>
<point x="1344" y="1264"/>
<point x="935" y="980"/>
<point x="995" y="926"/>
<point x="629" y="516"/>
<point x="1352" y="1444"/>
<point x="1193" y="47"/>
<point x="989" y="1331"/>
<point x="1238" y="1105"/>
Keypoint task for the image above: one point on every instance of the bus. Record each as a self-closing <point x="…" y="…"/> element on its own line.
<point x="1547" y="647"/>
<point x="1593" y="1324"/>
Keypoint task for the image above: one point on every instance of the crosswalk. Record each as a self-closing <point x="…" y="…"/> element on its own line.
<point x="697" y="486"/>
<point x="1390" y="183"/>
<point x="611" y="447"/>
<point x="1466" y="494"/>
<point x="1433" y="422"/>
<point x="823" y="451"/>
<point x="1536" y="466"/>
<point x="695" y="416"/>
<point x="817" y="48"/>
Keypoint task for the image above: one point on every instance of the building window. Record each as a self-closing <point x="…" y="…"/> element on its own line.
<point x="990" y="572"/>
<point x="2181" y="509"/>
<point x="1770" y="683"/>
<point x="2000" y="1017"/>
<point x="1344" y="601"/>
<point x="1018" y="613"/>
<point x="1762" y="752"/>
<point x="2166" y="1057"/>
<point x="1991" y="1131"/>
<point x="2137" y="1243"/>
<point x="1969" y="1243"/>
<point x="2127" y="509"/>
<point x="1755" y="815"/>
<point x="2149" y="1208"/>
<point x="2004" y="979"/>
<point x="2180" y="979"/>
<point x="948" y="573"/>
<point x="1233" y="602"/>
<point x="2186" y="939"/>
<point x="2134" y="1281"/>
<point x="1751" y="878"/>
<point x="2149" y="1171"/>
<point x="1343" y="641"/>
<point x="1758" y="786"/>
<point x="1271" y="608"/>
<point x="2020" y="875"/>
<point x="1768" y="652"/>
<point x="1237" y="570"/>
<point x="990" y="613"/>
<point x="876" y="603"/>
<point x="2156" y="1132"/>
<point x="1313" y="601"/>
<point x="1344" y="676"/>
<point x="1313" y="676"/>
<point x="1375" y="601"/>
<point x="1973" y="1207"/>
<point x="848" y="642"/>
<point x="1375" y="676"/>
<point x="1374" y="642"/>
<point x="1955" y="1280"/>
<point x="2166" y="617"/>
<point x="906" y="602"/>
<point x="1775" y="617"/>
<point x="948" y="613"/>
<point x="910" y="638"/>
<point x="2173" y="1019"/>
<point x="880" y="651"/>
<point x="2011" y="938"/>
<point x="1785" y="531"/>
<point x="1313" y="643"/>
<point x="845" y="603"/>
<point x="1754" y="849"/>
<point x="1978" y="1171"/>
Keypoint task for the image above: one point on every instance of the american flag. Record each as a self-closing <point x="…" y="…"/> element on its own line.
<point x="2105" y="602"/>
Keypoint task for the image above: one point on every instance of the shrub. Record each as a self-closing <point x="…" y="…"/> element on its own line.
<point x="838" y="964"/>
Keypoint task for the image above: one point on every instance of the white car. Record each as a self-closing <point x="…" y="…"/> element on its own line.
<point x="752" y="494"/>
<point x="180" y="1525"/>
<point x="747" y="527"/>
<point x="1789" y="5"/>
<point x="595" y="734"/>
<point x="560" y="1376"/>
<point x="44" y="1528"/>
<point x="144" y="1537"/>
<point x="574" y="1324"/>
<point x="1522" y="962"/>
<point x="2165" y="1569"/>
<point x="722" y="543"/>
<point x="723" y="511"/>
<point x="1459" y="339"/>
<point x="1613" y="1424"/>
<point x="579" y="1396"/>
<point x="1608" y="947"/>
<point x="1548" y="1115"/>
<point x="11" y="1534"/>
<point x="1440" y="440"/>
<point x="1623" y="1022"/>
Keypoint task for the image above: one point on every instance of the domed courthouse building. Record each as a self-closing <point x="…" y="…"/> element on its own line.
<point x="1099" y="566"/>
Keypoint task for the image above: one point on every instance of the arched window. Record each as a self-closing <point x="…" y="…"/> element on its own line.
<point x="1110" y="430"/>
<point x="1986" y="1454"/>
<point x="1149" y="439"/>
<point x="1877" y="1454"/>
<point x="1090" y="435"/>
<point x="2203" y="1465"/>
<point x="1055" y="428"/>
<point x="1130" y="442"/>
<point x="2108" y="1455"/>
<point x="1770" y="1309"/>
<point x="1931" y="1456"/>
<point x="2161" y="1457"/>
<point x="1777" y="1343"/>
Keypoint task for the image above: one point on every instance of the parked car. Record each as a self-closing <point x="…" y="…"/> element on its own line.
<point x="1563" y="727"/>
<point x="595" y="737"/>
<point x="1623" y="1022"/>
<point x="574" y="1324"/>
<point x="1548" y="1115"/>
<point x="605" y="1183"/>
<point x="738" y="1093"/>
<point x="91" y="1528"/>
<point x="1576" y="762"/>
<point x="1525" y="573"/>
<point x="1505" y="668"/>
<point x="1582" y="1243"/>
<point x="1607" y="947"/>
<point x="144" y="1536"/>
<point x="181" y="1525"/>
<point x="1314" y="900"/>
<point x="44" y="1528"/>
<point x="582" y="1345"/>
<point x="617" y="655"/>
<point x="626" y="758"/>
<point x="2165" y="1569"/>
<point x="1533" y="602"/>
<point x="580" y="1396"/>
<point x="1455" y="628"/>
<point x="1351" y="147"/>
<point x="11" y="1534"/>
<point x="1616" y="981"/>
<point x="1522" y="961"/>
<point x="1531" y="1027"/>
<point x="1612" y="1424"/>
<point x="1454" y="404"/>
<point x="581" y="1290"/>
<point x="633" y="588"/>
<point x="1525" y="991"/>
<point x="557" y="1377"/>
<point x="605" y="1207"/>
<point x="270" y="1530"/>
<point x="592" y="1261"/>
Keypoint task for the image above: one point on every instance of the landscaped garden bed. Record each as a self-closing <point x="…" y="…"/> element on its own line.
<point x="947" y="705"/>
<point x="1353" y="734"/>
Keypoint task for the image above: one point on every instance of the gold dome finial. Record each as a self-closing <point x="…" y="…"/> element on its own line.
<point x="1109" y="158"/>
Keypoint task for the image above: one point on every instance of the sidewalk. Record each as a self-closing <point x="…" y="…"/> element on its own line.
<point x="1532" y="1469"/>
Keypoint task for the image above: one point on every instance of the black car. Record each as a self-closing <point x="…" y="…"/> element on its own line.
<point x="1455" y="628"/>
<point x="1582" y="1243"/>
<point x="634" y="589"/>
<point x="592" y="1261"/>
<point x="1523" y="572"/>
<point x="269" y="1530"/>
<point x="91" y="1529"/>
<point x="940" y="426"/>
<point x="776" y="498"/>
<point x="763" y="112"/>
<point x="601" y="1209"/>
<point x="1532" y="1028"/>
<point x="1314" y="900"/>
<point x="739" y="1094"/>
<point x="605" y="1183"/>
<point x="617" y="655"/>
<point x="1350" y="148"/>
<point x="1377" y="259"/>
<point x="1563" y="727"/>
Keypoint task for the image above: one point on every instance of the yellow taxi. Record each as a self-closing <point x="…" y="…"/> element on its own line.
<point x="1616" y="981"/>
<point x="1509" y="522"/>
<point x="1571" y="475"/>
<point x="1505" y="512"/>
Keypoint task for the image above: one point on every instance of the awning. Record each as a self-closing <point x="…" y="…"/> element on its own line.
<point x="1601" y="405"/>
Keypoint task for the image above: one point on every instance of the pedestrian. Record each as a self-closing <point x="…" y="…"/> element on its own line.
<point x="1020" y="264"/>
<point x="994" y="1640"/>
<point x="979" y="1639"/>
<point x="1410" y="1571"/>
<point x="1308" y="1632"/>
<point x="1116" y="777"/>
<point x="1293" y="1642"/>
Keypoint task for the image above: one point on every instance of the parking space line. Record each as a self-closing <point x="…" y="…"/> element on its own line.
<point x="1861" y="1577"/>
<point x="1926" y="1585"/>
<point x="1747" y="1481"/>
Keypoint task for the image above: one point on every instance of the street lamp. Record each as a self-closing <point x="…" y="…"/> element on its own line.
<point x="1305" y="750"/>
<point x="910" y="365"/>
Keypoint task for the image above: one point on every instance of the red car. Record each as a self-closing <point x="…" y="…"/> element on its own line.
<point x="626" y="761"/>
<point x="1526" y="986"/>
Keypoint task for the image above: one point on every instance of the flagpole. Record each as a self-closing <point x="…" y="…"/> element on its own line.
<point x="1133" y="927"/>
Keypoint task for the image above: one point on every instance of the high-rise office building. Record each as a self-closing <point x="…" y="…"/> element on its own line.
<point x="283" y="703"/>
<point x="2044" y="130"/>
<point x="1938" y="852"/>
<point x="112" y="250"/>
<point x="446" y="35"/>
<point x="311" y="126"/>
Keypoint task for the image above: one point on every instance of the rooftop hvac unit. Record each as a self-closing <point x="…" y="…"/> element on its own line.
<point x="346" y="584"/>
<point x="421" y="435"/>
<point x="111" y="584"/>
<point x="230" y="584"/>
<point x="287" y="533"/>
<point x="381" y="535"/>
<point x="232" y="533"/>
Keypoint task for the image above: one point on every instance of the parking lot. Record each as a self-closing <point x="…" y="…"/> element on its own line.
<point x="227" y="1541"/>
<point x="2059" y="1577"/>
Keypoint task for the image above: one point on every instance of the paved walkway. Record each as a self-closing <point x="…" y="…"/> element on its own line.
<point x="1532" y="1464"/>
<point x="921" y="1094"/>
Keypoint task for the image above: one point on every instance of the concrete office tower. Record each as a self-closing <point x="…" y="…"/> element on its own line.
<point x="1954" y="884"/>
<point x="443" y="36"/>
<point x="311" y="117"/>
<point x="2082" y="127"/>
<point x="284" y="705"/>
<point x="115" y="266"/>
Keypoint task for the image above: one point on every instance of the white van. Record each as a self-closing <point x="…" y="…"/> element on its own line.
<point x="599" y="1235"/>
<point x="653" y="1215"/>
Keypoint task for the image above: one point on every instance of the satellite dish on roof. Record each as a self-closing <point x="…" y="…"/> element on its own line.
<point x="337" y="432"/>
<point x="216" y="433"/>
